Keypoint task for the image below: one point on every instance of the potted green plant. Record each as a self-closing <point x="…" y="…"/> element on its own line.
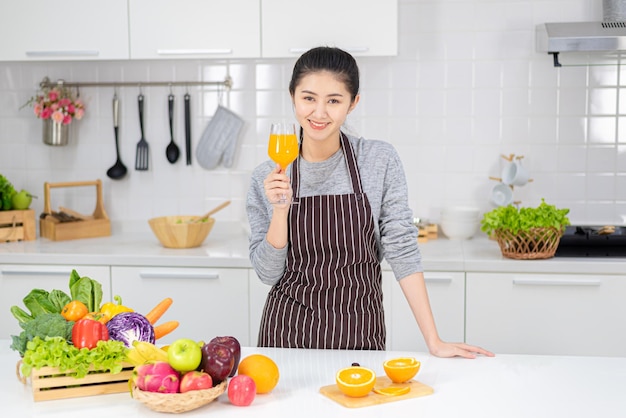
<point x="526" y="233"/>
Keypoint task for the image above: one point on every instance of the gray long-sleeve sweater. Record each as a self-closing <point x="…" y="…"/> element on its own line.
<point x="384" y="183"/>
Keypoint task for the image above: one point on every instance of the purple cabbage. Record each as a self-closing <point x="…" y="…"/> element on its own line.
<point x="130" y="326"/>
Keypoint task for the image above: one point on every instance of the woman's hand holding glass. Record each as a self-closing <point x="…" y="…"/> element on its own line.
<point x="283" y="149"/>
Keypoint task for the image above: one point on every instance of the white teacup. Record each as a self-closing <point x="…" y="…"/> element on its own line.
<point x="502" y="195"/>
<point x="514" y="174"/>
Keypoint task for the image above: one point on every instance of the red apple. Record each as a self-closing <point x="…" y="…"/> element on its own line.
<point x="217" y="360"/>
<point x="241" y="390"/>
<point x="233" y="344"/>
<point x="195" y="380"/>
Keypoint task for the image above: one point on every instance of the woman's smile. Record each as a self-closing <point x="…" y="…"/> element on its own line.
<point x="318" y="125"/>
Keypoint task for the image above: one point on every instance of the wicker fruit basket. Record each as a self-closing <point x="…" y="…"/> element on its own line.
<point x="534" y="244"/>
<point x="176" y="403"/>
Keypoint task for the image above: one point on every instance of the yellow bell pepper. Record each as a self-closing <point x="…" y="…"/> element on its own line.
<point x="110" y="309"/>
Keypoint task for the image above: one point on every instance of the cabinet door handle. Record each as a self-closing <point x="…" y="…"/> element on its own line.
<point x="213" y="51"/>
<point x="430" y="279"/>
<point x="354" y="49"/>
<point x="157" y="274"/>
<point x="70" y="53"/>
<point x="47" y="271"/>
<point x="557" y="282"/>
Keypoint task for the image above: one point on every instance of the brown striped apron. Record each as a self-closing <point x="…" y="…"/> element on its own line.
<point x="330" y="295"/>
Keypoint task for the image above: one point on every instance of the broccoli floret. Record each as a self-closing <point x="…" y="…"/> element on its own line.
<point x="44" y="325"/>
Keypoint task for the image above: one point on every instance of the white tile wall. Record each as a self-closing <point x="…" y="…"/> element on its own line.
<point x="466" y="88"/>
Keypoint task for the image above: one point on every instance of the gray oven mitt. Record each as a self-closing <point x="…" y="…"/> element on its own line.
<point x="219" y="139"/>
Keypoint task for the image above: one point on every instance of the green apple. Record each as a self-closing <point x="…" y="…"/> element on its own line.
<point x="21" y="200"/>
<point x="184" y="355"/>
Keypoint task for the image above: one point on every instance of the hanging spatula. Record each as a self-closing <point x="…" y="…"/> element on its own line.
<point x="143" y="150"/>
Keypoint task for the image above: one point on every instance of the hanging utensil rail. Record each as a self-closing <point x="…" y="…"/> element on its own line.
<point x="46" y="83"/>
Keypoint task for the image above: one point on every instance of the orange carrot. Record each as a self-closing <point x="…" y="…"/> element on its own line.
<point x="165" y="328"/>
<point x="157" y="312"/>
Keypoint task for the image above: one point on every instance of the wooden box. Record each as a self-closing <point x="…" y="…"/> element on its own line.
<point x="427" y="232"/>
<point x="17" y="225"/>
<point x="49" y="383"/>
<point x="87" y="226"/>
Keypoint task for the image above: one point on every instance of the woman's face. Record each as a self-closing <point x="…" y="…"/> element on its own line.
<point x="322" y="103"/>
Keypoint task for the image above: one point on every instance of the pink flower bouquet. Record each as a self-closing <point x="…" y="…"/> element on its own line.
<point x="58" y="104"/>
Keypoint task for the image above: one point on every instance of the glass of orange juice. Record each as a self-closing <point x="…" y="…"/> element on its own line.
<point x="283" y="147"/>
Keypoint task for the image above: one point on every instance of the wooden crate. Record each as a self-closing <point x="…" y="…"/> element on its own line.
<point x="17" y="225"/>
<point x="49" y="383"/>
<point x="427" y="232"/>
<point x="95" y="225"/>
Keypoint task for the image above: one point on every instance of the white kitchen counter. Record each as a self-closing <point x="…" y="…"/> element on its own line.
<point x="227" y="246"/>
<point x="504" y="386"/>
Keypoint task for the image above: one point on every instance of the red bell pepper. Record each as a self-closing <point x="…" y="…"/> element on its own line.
<point x="87" y="333"/>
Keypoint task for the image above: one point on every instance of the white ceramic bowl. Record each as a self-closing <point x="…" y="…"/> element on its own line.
<point x="460" y="212"/>
<point x="459" y="229"/>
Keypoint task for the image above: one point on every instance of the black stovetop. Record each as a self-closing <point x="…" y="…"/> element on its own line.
<point x="592" y="241"/>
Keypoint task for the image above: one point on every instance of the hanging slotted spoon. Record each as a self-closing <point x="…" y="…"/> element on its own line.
<point x="143" y="150"/>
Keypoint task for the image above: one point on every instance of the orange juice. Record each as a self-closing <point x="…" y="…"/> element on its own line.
<point x="283" y="149"/>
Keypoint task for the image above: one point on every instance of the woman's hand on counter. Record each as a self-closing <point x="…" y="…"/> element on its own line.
<point x="444" y="349"/>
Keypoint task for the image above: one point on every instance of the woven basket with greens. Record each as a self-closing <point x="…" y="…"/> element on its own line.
<point x="526" y="233"/>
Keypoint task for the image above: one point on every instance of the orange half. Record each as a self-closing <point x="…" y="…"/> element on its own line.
<point x="401" y="369"/>
<point x="393" y="390"/>
<point x="355" y="381"/>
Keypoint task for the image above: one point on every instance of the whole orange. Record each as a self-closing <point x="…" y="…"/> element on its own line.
<point x="401" y="369"/>
<point x="262" y="369"/>
<point x="355" y="381"/>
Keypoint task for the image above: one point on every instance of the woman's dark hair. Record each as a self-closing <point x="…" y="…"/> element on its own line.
<point x="325" y="58"/>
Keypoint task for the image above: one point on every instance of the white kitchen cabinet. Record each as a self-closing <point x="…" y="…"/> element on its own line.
<point x="259" y="291"/>
<point x="35" y="30"/>
<point x="207" y="302"/>
<point x="289" y="28"/>
<point x="446" y="292"/>
<point x="553" y="314"/>
<point x="171" y="29"/>
<point x="17" y="280"/>
<point x="258" y="294"/>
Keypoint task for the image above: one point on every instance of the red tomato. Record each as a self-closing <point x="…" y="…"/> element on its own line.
<point x="241" y="390"/>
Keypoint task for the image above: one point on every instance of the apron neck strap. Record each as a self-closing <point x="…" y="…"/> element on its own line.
<point x="348" y="154"/>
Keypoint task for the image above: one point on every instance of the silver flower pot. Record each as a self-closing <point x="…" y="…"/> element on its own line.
<point x="55" y="133"/>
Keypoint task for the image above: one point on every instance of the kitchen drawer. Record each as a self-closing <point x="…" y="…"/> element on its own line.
<point x="17" y="280"/>
<point x="555" y="314"/>
<point x="207" y="301"/>
<point x="446" y="292"/>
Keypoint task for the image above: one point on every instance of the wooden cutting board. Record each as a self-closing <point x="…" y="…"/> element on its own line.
<point x="417" y="389"/>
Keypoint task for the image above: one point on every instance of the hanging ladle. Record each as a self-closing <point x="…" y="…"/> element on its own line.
<point x="211" y="212"/>
<point x="118" y="170"/>
<point x="171" y="152"/>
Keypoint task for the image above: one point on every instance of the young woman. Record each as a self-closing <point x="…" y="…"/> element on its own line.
<point x="346" y="210"/>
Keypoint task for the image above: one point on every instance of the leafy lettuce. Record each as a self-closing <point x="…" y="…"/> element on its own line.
<point x="107" y="356"/>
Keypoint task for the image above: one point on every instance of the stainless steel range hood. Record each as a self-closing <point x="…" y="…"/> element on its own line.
<point x="554" y="38"/>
